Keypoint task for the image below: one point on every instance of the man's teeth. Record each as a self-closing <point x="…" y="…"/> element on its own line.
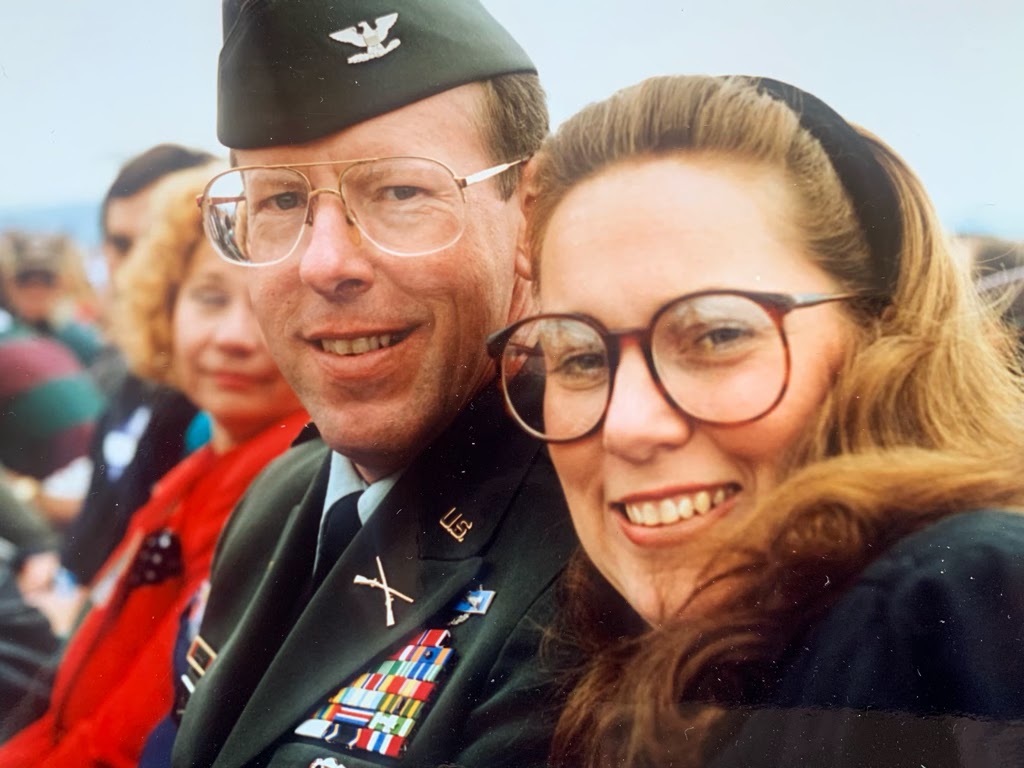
<point x="356" y="346"/>
<point x="668" y="511"/>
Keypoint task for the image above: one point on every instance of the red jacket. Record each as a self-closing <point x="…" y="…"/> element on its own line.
<point x="114" y="683"/>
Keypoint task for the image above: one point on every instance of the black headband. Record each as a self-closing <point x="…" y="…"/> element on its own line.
<point x="866" y="182"/>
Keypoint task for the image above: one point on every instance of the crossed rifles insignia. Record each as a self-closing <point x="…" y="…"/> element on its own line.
<point x="389" y="593"/>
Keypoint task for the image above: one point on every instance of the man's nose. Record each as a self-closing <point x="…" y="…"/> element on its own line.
<point x="333" y="253"/>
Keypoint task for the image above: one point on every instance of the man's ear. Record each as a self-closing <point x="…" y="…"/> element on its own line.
<point x="527" y="192"/>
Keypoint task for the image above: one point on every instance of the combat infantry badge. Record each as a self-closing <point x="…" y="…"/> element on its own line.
<point x="370" y="38"/>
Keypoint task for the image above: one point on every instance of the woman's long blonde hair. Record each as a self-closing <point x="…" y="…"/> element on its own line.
<point x="926" y="419"/>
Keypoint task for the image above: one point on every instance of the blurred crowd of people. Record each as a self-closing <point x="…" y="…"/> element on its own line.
<point x="134" y="417"/>
<point x="93" y="416"/>
<point x="84" y="437"/>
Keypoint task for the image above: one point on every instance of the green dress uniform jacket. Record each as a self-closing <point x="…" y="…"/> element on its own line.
<point x="479" y="512"/>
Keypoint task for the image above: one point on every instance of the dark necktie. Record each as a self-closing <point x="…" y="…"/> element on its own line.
<point x="341" y="524"/>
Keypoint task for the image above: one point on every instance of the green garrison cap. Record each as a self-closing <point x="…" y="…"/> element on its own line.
<point x="295" y="70"/>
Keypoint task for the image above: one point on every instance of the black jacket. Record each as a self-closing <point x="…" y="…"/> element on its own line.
<point x="112" y="500"/>
<point x="920" y="663"/>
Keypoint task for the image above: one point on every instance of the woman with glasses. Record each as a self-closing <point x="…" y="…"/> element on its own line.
<point x="790" y="435"/>
<point x="185" y="320"/>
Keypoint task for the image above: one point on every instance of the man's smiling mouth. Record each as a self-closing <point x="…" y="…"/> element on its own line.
<point x="362" y="344"/>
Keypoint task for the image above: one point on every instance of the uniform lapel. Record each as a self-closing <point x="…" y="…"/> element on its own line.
<point x="330" y="645"/>
<point x="246" y="640"/>
<point x="427" y="552"/>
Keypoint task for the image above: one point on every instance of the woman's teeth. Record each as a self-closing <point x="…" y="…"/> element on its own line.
<point x="682" y="507"/>
<point x="357" y="346"/>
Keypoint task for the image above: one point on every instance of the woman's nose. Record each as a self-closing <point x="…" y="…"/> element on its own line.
<point x="237" y="330"/>
<point x="640" y="422"/>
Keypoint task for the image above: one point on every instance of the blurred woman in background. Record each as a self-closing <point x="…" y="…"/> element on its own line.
<point x="184" y="319"/>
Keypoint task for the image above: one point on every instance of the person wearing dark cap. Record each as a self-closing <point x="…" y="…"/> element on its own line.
<point x="39" y="276"/>
<point x="379" y="596"/>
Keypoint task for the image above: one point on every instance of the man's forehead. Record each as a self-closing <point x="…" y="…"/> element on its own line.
<point x="292" y="72"/>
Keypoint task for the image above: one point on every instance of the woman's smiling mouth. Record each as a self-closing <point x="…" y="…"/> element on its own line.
<point x="673" y="507"/>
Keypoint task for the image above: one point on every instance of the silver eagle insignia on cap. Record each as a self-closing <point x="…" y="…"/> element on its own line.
<point x="370" y="38"/>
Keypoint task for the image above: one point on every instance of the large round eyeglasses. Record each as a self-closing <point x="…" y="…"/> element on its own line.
<point x="406" y="206"/>
<point x="720" y="357"/>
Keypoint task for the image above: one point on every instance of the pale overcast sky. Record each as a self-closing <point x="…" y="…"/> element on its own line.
<point x="83" y="85"/>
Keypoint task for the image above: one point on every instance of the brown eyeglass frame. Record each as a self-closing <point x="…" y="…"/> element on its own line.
<point x="776" y="305"/>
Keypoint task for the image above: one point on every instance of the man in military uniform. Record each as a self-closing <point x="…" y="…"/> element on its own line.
<point x="379" y="596"/>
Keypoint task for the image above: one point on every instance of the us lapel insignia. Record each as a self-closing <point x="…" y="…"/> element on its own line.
<point x="370" y="38"/>
<point x="378" y="710"/>
<point x="456" y="525"/>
